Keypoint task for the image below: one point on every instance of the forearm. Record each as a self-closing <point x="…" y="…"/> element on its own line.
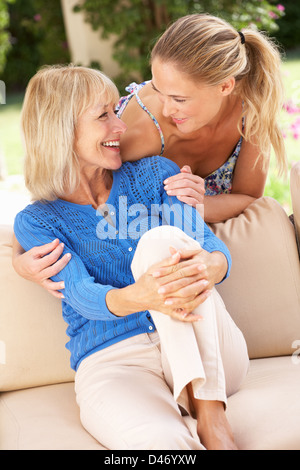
<point x="139" y="297"/>
<point x="17" y="248"/>
<point x="219" y="266"/>
<point x="18" y="253"/>
<point x="124" y="301"/>
<point x="225" y="206"/>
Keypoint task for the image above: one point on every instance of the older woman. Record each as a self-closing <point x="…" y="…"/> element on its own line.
<point x="150" y="339"/>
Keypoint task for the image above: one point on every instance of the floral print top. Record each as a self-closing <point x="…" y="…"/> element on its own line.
<point x="220" y="180"/>
<point x="217" y="182"/>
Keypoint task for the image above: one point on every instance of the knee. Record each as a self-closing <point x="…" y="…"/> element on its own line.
<point x="160" y="238"/>
<point x="155" y="245"/>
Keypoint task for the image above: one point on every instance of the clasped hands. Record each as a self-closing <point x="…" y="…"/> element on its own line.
<point x="180" y="283"/>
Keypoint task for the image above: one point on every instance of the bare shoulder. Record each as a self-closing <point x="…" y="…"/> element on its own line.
<point x="142" y="137"/>
<point x="251" y="171"/>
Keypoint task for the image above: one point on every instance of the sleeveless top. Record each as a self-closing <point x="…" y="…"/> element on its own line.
<point x="217" y="182"/>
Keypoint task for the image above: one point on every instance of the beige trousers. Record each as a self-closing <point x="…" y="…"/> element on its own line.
<point x="133" y="394"/>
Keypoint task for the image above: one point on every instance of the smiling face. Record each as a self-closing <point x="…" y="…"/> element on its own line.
<point x="97" y="137"/>
<point x="189" y="105"/>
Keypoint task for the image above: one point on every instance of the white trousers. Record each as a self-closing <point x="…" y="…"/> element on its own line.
<point x="133" y="394"/>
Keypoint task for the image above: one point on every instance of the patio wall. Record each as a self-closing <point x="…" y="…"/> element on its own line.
<point x="85" y="44"/>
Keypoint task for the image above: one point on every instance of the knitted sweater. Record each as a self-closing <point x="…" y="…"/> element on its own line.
<point x="102" y="250"/>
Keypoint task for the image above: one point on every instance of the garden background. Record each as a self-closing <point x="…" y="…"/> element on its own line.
<point x="33" y="34"/>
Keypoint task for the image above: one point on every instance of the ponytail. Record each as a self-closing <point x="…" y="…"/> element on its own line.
<point x="261" y="89"/>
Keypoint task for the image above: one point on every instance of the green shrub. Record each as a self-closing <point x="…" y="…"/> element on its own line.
<point x="138" y="23"/>
<point x="37" y="37"/>
<point x="288" y="33"/>
<point x="4" y="35"/>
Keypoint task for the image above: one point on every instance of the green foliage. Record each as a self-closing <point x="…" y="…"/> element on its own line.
<point x="4" y="35"/>
<point x="138" y="23"/>
<point x="23" y="56"/>
<point x="279" y="189"/>
<point x="289" y="32"/>
<point x="37" y="37"/>
<point x="53" y="47"/>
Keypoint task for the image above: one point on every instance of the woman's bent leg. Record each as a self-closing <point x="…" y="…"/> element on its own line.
<point x="196" y="353"/>
<point x="125" y="402"/>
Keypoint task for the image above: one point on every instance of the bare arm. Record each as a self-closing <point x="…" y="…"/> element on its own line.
<point x="248" y="184"/>
<point x="222" y="207"/>
<point x="41" y="263"/>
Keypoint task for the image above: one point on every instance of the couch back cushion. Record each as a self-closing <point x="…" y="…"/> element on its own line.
<point x="263" y="292"/>
<point x="32" y="331"/>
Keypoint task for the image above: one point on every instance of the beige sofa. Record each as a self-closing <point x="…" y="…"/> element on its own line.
<point x="37" y="402"/>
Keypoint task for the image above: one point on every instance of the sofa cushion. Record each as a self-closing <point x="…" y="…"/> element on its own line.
<point x="43" y="418"/>
<point x="32" y="331"/>
<point x="264" y="414"/>
<point x="262" y="293"/>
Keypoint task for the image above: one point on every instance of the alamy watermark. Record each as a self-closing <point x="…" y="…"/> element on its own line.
<point x="2" y="92"/>
<point x="131" y="222"/>
<point x="296" y="354"/>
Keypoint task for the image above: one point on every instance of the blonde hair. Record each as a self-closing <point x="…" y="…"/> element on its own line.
<point x="210" y="50"/>
<point x="55" y="97"/>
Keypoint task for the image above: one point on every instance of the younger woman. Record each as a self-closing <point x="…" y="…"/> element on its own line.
<point x="212" y="107"/>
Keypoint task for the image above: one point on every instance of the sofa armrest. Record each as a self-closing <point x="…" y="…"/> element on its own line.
<point x="32" y="330"/>
<point x="295" y="192"/>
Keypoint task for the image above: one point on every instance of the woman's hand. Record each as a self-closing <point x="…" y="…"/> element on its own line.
<point x="175" y="287"/>
<point x="211" y="269"/>
<point x="186" y="187"/>
<point x="41" y="263"/>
